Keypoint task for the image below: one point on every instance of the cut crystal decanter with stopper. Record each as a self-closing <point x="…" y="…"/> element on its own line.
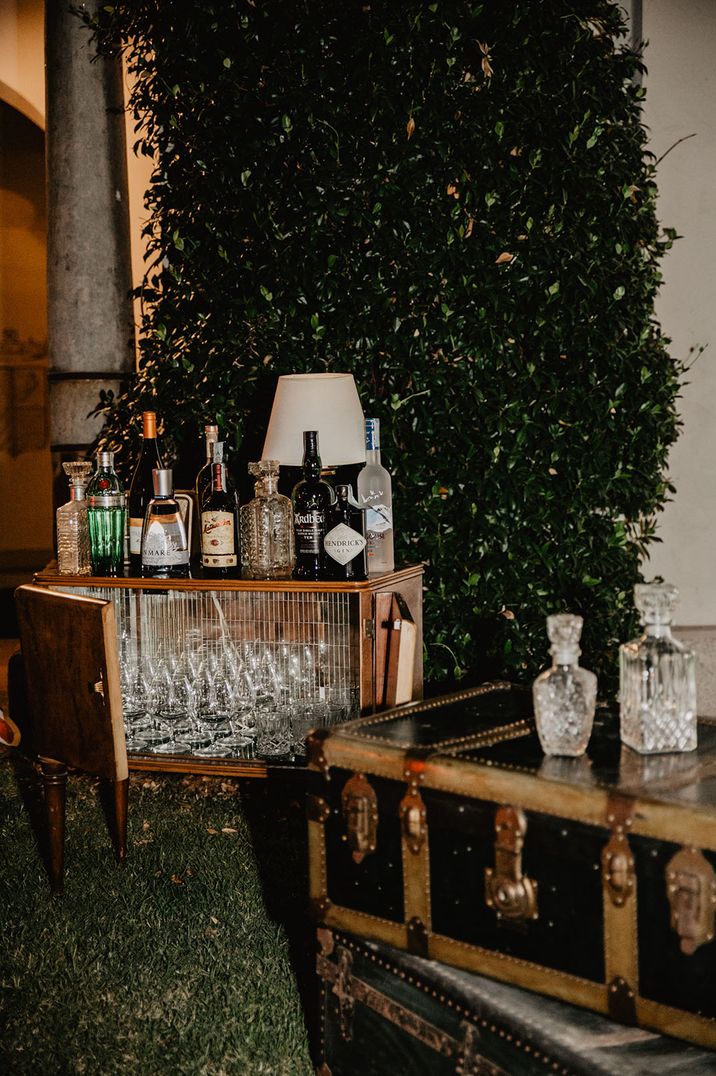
<point x="73" y="540"/>
<point x="565" y="695"/>
<point x="657" y="679"/>
<point x="266" y="525"/>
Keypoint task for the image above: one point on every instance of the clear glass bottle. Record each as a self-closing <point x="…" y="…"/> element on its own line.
<point x="165" y="549"/>
<point x="564" y="696"/>
<point x="267" y="540"/>
<point x="345" y="539"/>
<point x="376" y="496"/>
<point x="73" y="542"/>
<point x="203" y="479"/>
<point x="107" y="514"/>
<point x="657" y="679"/>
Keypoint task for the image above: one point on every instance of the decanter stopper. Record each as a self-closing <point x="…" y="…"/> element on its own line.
<point x="78" y="472"/>
<point x="657" y="678"/>
<point x="565" y="695"/>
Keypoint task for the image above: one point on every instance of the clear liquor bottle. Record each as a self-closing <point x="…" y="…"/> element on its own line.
<point x="107" y="514"/>
<point x="266" y="523"/>
<point x="165" y="549"/>
<point x="345" y="539"/>
<point x="203" y="479"/>
<point x="376" y="497"/>
<point x="141" y="488"/>
<point x="73" y="542"/>
<point x="657" y="679"/>
<point x="311" y="500"/>
<point x="219" y="526"/>
<point x="564" y="696"/>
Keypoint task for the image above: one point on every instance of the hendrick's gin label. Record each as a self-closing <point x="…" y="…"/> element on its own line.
<point x="344" y="542"/>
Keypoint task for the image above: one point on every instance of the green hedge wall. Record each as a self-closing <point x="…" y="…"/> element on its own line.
<point x="453" y="201"/>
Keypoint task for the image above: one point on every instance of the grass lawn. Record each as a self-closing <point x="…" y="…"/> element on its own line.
<point x="187" y="960"/>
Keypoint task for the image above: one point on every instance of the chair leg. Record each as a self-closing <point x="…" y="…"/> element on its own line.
<point x="121" y="795"/>
<point x="54" y="779"/>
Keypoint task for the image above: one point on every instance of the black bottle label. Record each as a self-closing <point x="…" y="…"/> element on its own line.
<point x="309" y="527"/>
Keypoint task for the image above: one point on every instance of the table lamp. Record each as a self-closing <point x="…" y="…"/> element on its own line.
<point x="328" y="403"/>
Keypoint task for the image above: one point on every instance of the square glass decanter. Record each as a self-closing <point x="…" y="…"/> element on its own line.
<point x="564" y="696"/>
<point x="657" y="679"/>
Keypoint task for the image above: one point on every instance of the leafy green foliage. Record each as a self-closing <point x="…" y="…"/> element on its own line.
<point x="452" y="201"/>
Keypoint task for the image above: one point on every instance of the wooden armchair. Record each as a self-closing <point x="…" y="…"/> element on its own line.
<point x="72" y="704"/>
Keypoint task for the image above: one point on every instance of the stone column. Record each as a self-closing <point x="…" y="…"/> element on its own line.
<point x="90" y="323"/>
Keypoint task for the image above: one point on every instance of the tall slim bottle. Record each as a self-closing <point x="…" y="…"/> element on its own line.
<point x="141" y="489"/>
<point x="311" y="500"/>
<point x="73" y="544"/>
<point x="107" y="513"/>
<point x="219" y="528"/>
<point x="203" y="478"/>
<point x="375" y="495"/>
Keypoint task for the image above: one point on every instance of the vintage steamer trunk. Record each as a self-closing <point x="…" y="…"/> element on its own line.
<point x="384" y="1012"/>
<point x="441" y="828"/>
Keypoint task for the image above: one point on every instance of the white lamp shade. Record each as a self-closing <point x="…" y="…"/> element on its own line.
<point x="328" y="403"/>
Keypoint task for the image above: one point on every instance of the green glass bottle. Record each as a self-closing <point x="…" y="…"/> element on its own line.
<point x="107" y="518"/>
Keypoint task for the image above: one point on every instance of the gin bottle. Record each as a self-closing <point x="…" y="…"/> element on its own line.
<point x="345" y="540"/>
<point x="657" y="679"/>
<point x="376" y="497"/>
<point x="73" y="543"/>
<point x="165" y="549"/>
<point x="107" y="515"/>
<point x="564" y="696"/>
<point x="267" y="543"/>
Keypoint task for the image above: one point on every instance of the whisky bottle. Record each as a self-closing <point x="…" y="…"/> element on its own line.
<point x="203" y="478"/>
<point x="311" y="499"/>
<point x="266" y="524"/>
<point x="376" y="497"/>
<point x="219" y="529"/>
<point x="165" y="549"/>
<point x="344" y="542"/>
<point x="141" y="488"/>
<point x="73" y="544"/>
<point x="106" y="514"/>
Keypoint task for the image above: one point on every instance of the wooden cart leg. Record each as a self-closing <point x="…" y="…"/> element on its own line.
<point x="54" y="779"/>
<point x="121" y="795"/>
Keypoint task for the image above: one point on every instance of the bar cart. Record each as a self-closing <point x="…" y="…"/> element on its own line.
<point x="328" y="651"/>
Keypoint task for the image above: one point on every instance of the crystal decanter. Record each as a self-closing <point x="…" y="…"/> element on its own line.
<point x="657" y="679"/>
<point x="266" y="527"/>
<point x="73" y="540"/>
<point x="565" y="695"/>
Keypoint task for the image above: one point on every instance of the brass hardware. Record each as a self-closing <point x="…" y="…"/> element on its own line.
<point x="507" y="890"/>
<point x="621" y="1002"/>
<point x="97" y="688"/>
<point x="691" y="889"/>
<point x="343" y="992"/>
<point x="368" y="628"/>
<point x="412" y="820"/>
<point x="318" y="908"/>
<point x="618" y="868"/>
<point x="315" y="755"/>
<point x="417" y="937"/>
<point x="317" y="809"/>
<point x="470" y="1062"/>
<point x="360" y="810"/>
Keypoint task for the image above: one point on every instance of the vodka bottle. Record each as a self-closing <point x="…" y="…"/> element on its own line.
<point x="565" y="695"/>
<point x="165" y="549"/>
<point x="345" y="539"/>
<point x="311" y="499"/>
<point x="141" y="488"/>
<point x="376" y="497"/>
<point x="107" y="514"/>
<point x="73" y="543"/>
<point x="657" y="679"/>
<point x="267" y="541"/>
<point x="219" y="527"/>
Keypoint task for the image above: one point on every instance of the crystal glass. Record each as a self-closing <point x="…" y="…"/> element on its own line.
<point x="107" y="517"/>
<point x="266" y="523"/>
<point x="657" y="679"/>
<point x="565" y="695"/>
<point x="73" y="542"/>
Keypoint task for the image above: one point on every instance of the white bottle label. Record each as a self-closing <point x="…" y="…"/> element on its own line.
<point x="164" y="543"/>
<point x="218" y="541"/>
<point x="343" y="543"/>
<point x="378" y="518"/>
<point x="135" y="536"/>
